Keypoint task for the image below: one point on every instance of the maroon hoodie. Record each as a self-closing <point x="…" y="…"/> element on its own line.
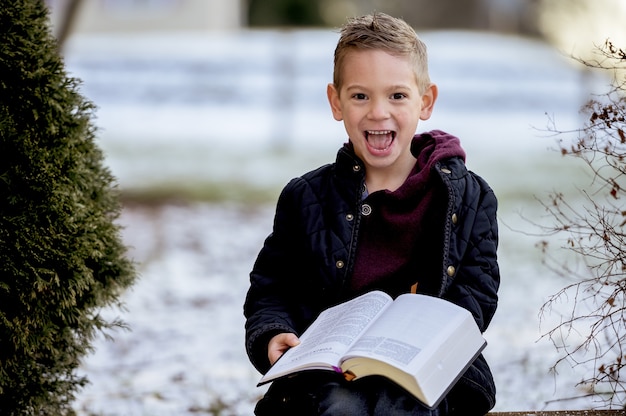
<point x="400" y="232"/>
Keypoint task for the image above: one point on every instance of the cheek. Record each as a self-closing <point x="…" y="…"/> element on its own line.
<point x="409" y="117"/>
<point x="352" y="118"/>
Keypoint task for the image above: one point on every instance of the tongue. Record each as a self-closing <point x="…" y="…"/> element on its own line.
<point x="380" y="141"/>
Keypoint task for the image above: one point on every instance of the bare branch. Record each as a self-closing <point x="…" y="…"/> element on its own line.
<point x="593" y="331"/>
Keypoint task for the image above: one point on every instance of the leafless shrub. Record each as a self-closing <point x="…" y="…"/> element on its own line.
<point x="592" y="334"/>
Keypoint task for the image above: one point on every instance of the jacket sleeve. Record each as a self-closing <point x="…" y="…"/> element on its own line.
<point x="474" y="286"/>
<point x="474" y="253"/>
<point x="270" y="306"/>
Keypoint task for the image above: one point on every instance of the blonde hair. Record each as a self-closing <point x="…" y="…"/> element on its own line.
<point x="384" y="32"/>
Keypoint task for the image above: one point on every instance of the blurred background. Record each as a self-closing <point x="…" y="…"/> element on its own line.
<point x="253" y="73"/>
<point x="206" y="108"/>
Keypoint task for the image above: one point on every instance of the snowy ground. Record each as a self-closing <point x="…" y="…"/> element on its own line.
<point x="185" y="351"/>
<point x="209" y="109"/>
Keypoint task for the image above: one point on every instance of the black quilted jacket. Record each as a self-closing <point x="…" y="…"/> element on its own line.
<point x="305" y="264"/>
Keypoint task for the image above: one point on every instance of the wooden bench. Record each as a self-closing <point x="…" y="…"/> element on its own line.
<point x="563" y="413"/>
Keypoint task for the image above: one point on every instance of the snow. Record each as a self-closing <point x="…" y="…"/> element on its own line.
<point x="250" y="107"/>
<point x="185" y="350"/>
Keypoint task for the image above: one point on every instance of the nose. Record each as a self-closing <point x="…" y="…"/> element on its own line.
<point x="378" y="110"/>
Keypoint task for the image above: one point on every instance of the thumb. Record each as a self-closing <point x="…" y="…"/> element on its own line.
<point x="292" y="340"/>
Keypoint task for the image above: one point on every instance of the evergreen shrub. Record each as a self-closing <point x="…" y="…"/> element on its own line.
<point x="61" y="256"/>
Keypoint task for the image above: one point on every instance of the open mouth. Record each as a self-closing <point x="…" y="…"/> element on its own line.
<point x="380" y="139"/>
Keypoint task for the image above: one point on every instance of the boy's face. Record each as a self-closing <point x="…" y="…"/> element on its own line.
<point x="380" y="105"/>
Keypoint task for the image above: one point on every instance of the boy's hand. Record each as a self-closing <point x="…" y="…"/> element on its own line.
<point x="279" y="344"/>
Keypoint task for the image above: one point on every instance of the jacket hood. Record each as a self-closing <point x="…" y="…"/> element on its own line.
<point x="432" y="147"/>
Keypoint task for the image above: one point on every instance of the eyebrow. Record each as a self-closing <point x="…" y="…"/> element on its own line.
<point x="392" y="87"/>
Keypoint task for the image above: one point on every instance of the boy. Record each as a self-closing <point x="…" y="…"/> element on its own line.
<point x="397" y="212"/>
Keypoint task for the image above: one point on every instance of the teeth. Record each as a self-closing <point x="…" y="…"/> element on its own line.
<point x="380" y="139"/>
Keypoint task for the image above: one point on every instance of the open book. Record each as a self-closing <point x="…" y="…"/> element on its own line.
<point x="422" y="343"/>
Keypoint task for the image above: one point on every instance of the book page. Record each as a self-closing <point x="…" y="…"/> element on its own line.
<point x="332" y="333"/>
<point x="409" y="325"/>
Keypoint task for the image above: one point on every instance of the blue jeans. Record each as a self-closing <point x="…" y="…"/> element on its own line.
<point x="318" y="393"/>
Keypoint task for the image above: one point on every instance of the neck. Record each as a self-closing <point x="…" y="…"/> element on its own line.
<point x="389" y="178"/>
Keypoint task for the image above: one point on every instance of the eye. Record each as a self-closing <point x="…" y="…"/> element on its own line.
<point x="398" y="96"/>
<point x="359" y="96"/>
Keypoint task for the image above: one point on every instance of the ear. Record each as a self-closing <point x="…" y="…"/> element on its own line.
<point x="335" y="104"/>
<point x="428" y="101"/>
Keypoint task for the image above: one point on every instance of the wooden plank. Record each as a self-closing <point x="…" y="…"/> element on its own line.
<point x="563" y="413"/>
